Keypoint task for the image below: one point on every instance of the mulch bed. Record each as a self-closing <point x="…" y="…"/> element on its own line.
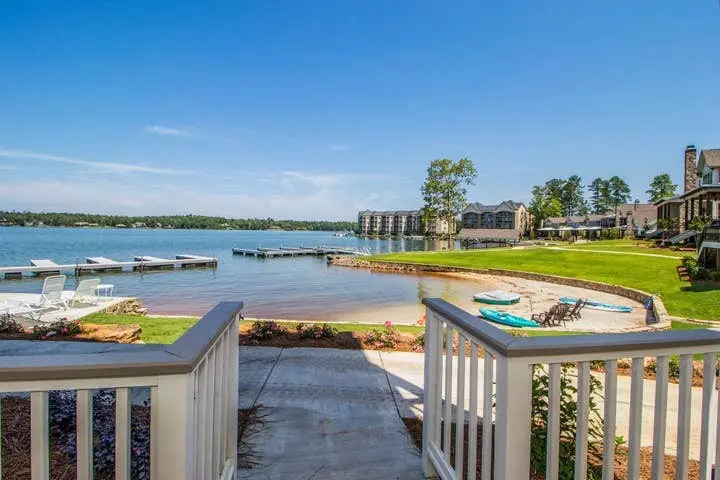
<point x="414" y="427"/>
<point x="15" y="428"/>
<point x="343" y="340"/>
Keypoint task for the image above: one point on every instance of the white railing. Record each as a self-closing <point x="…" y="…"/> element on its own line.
<point x="193" y="400"/>
<point x="494" y="383"/>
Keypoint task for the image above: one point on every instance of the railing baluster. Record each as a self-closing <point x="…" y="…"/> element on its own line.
<point x="210" y="418"/>
<point x="447" y="417"/>
<point x="487" y="450"/>
<point x="609" y="418"/>
<point x="39" y="436"/>
<point x="709" y="361"/>
<point x="154" y="432"/>
<point x="122" y="434"/>
<point x="660" y="422"/>
<point x="513" y="398"/>
<point x="431" y="386"/>
<point x="84" y="429"/>
<point x="581" y="435"/>
<point x="636" y="398"/>
<point x="473" y="420"/>
<point x="219" y="455"/>
<point x="0" y="437"/>
<point x="684" y="408"/>
<point x="717" y="438"/>
<point x="202" y="402"/>
<point x="460" y="422"/>
<point x="553" y="423"/>
<point x="438" y="356"/>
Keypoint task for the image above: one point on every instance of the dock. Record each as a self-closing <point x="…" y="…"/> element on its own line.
<point x="284" y="251"/>
<point x="102" y="264"/>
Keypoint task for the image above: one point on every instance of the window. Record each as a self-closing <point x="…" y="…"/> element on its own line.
<point x="707" y="176"/>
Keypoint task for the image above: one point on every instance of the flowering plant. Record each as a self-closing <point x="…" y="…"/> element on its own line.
<point x="262" y="331"/>
<point x="315" y="331"/>
<point x="385" y="338"/>
<point x="60" y="328"/>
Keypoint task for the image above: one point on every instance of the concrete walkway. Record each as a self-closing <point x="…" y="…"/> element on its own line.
<point x="331" y="414"/>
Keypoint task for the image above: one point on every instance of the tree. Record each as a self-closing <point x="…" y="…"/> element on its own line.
<point x="543" y="205"/>
<point x="572" y="198"/>
<point x="444" y="191"/>
<point x="661" y="188"/>
<point x="599" y="193"/>
<point x="619" y="192"/>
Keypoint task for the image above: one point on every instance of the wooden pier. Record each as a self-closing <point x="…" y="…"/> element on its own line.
<point x="102" y="264"/>
<point x="284" y="251"/>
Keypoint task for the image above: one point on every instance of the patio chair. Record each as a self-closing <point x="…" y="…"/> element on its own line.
<point x="85" y="293"/>
<point x="574" y="313"/>
<point x="51" y="296"/>
<point x="20" y="309"/>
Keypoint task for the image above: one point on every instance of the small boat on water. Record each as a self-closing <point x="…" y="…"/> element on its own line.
<point x="508" y="319"/>
<point x="497" y="297"/>
<point x="608" y="307"/>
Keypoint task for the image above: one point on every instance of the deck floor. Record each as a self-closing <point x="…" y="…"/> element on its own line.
<point x="331" y="414"/>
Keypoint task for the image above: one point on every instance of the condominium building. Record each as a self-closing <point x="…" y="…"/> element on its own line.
<point x="400" y="222"/>
<point x="507" y="215"/>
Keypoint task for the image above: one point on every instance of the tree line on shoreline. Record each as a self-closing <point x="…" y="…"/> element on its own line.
<point x="171" y="221"/>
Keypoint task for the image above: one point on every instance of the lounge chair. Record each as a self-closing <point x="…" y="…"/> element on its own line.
<point x="51" y="296"/>
<point x="86" y="293"/>
<point x="20" y="309"/>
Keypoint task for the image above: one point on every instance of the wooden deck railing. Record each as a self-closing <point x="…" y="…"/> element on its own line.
<point x="193" y="400"/>
<point x="506" y="400"/>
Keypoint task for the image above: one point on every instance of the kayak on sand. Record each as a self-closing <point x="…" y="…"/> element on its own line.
<point x="497" y="297"/>
<point x="608" y="307"/>
<point x="508" y="319"/>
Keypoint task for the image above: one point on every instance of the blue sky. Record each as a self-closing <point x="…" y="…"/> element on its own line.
<point x="316" y="109"/>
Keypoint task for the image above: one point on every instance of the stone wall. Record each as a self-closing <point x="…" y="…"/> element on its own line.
<point x="660" y="318"/>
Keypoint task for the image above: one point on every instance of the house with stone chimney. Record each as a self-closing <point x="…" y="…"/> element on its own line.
<point x="701" y="195"/>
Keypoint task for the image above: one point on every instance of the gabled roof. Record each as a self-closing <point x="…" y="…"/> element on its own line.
<point x="711" y="158"/>
<point x="507" y="205"/>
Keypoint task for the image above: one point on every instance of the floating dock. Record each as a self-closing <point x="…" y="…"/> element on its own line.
<point x="295" y="251"/>
<point x="102" y="264"/>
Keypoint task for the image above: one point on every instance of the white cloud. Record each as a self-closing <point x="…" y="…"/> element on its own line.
<point x="105" y="167"/>
<point x="169" y="131"/>
<point x="8" y="168"/>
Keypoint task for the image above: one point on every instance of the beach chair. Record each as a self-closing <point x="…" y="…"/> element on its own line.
<point x="51" y="296"/>
<point x="574" y="312"/>
<point x="547" y="319"/>
<point x="20" y="309"/>
<point x="85" y="294"/>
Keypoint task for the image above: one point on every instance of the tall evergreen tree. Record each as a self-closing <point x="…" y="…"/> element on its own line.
<point x="661" y="188"/>
<point x="572" y="198"/>
<point x="598" y="196"/>
<point x="619" y="192"/>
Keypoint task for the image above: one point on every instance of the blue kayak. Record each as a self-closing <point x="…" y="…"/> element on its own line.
<point x="608" y="307"/>
<point x="508" y="319"/>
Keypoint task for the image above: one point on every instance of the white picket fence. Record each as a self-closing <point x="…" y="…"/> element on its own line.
<point x="506" y="400"/>
<point x="193" y="400"/>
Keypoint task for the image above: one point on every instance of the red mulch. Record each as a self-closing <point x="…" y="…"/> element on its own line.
<point x="343" y="340"/>
<point x="414" y="427"/>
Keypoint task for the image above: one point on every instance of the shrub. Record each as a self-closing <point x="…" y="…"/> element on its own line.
<point x="315" y="331"/>
<point x="62" y="407"/>
<point x="263" y="331"/>
<point x="9" y="325"/>
<point x="568" y="423"/>
<point x="61" y="328"/>
<point x="418" y="343"/>
<point x="674" y="367"/>
<point x="691" y="265"/>
<point x="388" y="337"/>
<point x="597" y="365"/>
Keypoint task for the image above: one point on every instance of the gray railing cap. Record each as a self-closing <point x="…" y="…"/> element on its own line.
<point x="510" y="346"/>
<point x="145" y="360"/>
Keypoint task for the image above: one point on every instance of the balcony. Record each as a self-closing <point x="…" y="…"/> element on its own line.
<point x="193" y="387"/>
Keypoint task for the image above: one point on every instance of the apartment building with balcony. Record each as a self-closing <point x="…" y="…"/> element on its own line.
<point x="400" y="223"/>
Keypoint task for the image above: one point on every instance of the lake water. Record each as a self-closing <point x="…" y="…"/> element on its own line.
<point x="291" y="288"/>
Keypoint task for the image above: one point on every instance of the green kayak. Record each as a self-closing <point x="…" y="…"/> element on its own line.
<point x="508" y="319"/>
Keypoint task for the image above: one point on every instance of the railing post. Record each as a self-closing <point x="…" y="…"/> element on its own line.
<point x="433" y="349"/>
<point x="173" y="428"/>
<point x="513" y="388"/>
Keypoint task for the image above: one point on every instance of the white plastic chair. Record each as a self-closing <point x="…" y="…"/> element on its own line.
<point x="86" y="293"/>
<point x="51" y="295"/>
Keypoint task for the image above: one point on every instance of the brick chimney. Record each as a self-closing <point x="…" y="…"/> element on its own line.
<point x="690" y="168"/>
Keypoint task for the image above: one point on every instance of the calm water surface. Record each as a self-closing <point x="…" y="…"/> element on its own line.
<point x="294" y="288"/>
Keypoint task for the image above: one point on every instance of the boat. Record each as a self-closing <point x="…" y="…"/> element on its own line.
<point x="608" y="307"/>
<point x="497" y="297"/>
<point x="508" y="319"/>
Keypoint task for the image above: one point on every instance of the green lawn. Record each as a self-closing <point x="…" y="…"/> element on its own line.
<point x="154" y="329"/>
<point x="631" y="246"/>
<point x="656" y="275"/>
